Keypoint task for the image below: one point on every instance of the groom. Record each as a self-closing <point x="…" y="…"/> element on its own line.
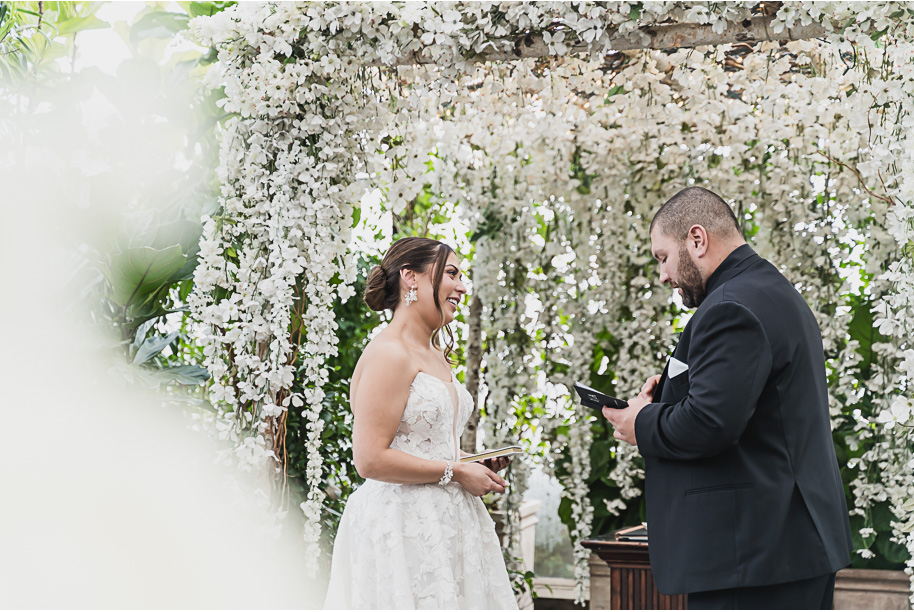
<point x="745" y="503"/>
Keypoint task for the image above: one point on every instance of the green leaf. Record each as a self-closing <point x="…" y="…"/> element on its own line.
<point x="883" y="517"/>
<point x="184" y="289"/>
<point x="28" y="12"/>
<point x="80" y="24"/>
<point x="564" y="511"/>
<point x="491" y="225"/>
<point x="857" y="523"/>
<point x="158" y="25"/>
<point x="600" y="455"/>
<point x="615" y="90"/>
<point x="890" y="551"/>
<point x="187" y="235"/>
<point x="139" y="273"/>
<point x="186" y="374"/>
<point x="198" y="9"/>
<point x="908" y="249"/>
<point x="601" y="493"/>
<point x="861" y="328"/>
<point x="143" y="313"/>
<point x="140" y="336"/>
<point x="876" y="35"/>
<point x="152" y="347"/>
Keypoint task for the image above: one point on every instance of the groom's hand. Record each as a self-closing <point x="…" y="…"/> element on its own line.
<point x="647" y="389"/>
<point x="624" y="420"/>
<point x="497" y="464"/>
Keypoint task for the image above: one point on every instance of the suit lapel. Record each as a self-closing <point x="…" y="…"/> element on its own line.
<point x="682" y="347"/>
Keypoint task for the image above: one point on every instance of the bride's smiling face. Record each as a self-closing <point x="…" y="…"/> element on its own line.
<point x="452" y="289"/>
<point x="450" y="292"/>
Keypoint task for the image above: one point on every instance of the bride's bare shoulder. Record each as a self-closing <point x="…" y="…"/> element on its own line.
<point x="385" y="359"/>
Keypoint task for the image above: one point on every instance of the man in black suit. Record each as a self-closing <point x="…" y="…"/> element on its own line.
<point x="745" y="503"/>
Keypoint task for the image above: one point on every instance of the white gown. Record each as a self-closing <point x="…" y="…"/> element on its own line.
<point x="421" y="546"/>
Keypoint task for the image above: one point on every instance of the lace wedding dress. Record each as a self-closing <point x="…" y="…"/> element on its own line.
<point x="420" y="546"/>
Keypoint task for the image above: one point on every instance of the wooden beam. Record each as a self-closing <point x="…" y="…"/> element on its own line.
<point x="672" y="36"/>
<point x="749" y="31"/>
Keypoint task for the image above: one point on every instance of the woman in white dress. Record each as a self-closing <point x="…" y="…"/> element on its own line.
<point x="416" y="535"/>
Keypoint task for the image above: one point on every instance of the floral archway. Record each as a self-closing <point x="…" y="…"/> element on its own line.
<point x="554" y="130"/>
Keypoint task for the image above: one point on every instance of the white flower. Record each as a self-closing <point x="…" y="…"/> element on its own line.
<point x="555" y="42"/>
<point x="899" y="413"/>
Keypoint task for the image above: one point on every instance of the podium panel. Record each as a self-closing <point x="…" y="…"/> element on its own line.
<point x="629" y="581"/>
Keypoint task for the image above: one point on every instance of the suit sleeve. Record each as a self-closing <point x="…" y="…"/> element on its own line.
<point x="729" y="362"/>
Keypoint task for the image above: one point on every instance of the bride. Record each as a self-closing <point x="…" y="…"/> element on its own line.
<point x="416" y="534"/>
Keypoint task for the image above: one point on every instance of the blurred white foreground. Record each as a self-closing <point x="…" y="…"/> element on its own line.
<point x="106" y="499"/>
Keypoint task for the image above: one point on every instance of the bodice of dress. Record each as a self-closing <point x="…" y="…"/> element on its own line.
<point x="420" y="546"/>
<point x="431" y="424"/>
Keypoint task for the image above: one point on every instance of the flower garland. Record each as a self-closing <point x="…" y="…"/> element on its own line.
<point x="891" y="167"/>
<point x="278" y="253"/>
<point x="318" y="118"/>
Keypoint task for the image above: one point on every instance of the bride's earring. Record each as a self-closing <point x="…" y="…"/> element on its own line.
<point x="411" y="296"/>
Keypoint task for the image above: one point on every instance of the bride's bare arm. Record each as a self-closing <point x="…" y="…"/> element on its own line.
<point x="377" y="405"/>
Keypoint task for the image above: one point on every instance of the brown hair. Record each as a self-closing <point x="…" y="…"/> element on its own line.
<point x="382" y="290"/>
<point x="696" y="206"/>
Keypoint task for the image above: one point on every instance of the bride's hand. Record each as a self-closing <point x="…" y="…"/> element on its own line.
<point x="477" y="479"/>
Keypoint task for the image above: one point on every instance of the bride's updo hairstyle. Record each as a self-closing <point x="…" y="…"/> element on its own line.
<point x="382" y="290"/>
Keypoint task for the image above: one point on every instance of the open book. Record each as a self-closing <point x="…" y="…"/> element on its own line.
<point x="491" y="454"/>
<point x="633" y="534"/>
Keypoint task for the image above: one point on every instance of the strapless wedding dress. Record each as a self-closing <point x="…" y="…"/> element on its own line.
<point x="421" y="546"/>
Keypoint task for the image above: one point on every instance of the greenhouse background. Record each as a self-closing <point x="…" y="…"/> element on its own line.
<point x="194" y="193"/>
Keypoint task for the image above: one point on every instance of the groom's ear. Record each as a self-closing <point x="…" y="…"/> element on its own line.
<point x="697" y="241"/>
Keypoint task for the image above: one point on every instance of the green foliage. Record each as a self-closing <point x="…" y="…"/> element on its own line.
<point x="149" y="265"/>
<point x="879" y="518"/>
<point x="889" y="555"/>
<point x="491" y="225"/>
<point x="33" y="34"/>
<point x="863" y="331"/>
<point x="199" y="9"/>
<point x="158" y="24"/>
<point x="520" y="580"/>
<point x="602" y="459"/>
<point x="140" y="279"/>
<point x="138" y="264"/>
<point x="578" y="171"/>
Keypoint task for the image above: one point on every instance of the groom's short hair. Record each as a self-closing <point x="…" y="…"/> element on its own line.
<point x="696" y="206"/>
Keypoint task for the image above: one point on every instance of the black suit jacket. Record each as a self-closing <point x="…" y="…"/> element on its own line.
<point x="742" y="482"/>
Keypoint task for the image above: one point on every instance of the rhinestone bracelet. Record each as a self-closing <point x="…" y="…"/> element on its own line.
<point x="448" y="474"/>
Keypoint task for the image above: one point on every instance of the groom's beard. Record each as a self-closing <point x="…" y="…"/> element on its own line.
<point x="690" y="282"/>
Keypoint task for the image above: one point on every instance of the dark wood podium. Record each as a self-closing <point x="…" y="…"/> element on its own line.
<point x="631" y="582"/>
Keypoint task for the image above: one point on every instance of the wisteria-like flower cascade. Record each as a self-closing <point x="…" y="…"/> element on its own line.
<point x="558" y="148"/>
